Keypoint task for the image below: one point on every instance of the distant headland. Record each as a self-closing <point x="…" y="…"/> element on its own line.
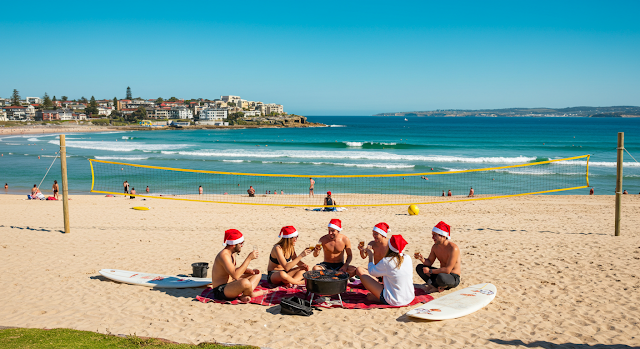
<point x="589" y="112"/>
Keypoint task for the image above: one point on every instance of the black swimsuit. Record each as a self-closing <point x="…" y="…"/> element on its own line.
<point x="275" y="260"/>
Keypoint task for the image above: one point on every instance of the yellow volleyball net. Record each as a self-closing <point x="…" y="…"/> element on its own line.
<point x="541" y="177"/>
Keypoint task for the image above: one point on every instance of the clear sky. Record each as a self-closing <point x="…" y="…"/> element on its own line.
<point x="329" y="57"/>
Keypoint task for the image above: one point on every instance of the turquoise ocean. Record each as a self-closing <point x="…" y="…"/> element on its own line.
<point x="350" y="145"/>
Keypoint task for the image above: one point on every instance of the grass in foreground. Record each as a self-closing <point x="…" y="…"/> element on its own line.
<point x="66" y="338"/>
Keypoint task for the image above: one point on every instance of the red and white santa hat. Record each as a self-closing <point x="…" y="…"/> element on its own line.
<point x="335" y="224"/>
<point x="233" y="237"/>
<point x="382" y="228"/>
<point x="443" y="229"/>
<point x="288" y="232"/>
<point x="397" y="243"/>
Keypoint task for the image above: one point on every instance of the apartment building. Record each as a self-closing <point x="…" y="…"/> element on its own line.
<point x="33" y="100"/>
<point x="180" y="113"/>
<point x="209" y="116"/>
<point x="54" y="115"/>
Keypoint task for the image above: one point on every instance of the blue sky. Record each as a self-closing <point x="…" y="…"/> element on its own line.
<point x="329" y="58"/>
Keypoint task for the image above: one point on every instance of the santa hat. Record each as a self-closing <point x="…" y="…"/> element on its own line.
<point x="443" y="229"/>
<point x="233" y="237"/>
<point x="288" y="232"/>
<point x="382" y="229"/>
<point x="335" y="224"/>
<point x="397" y="243"/>
<point x="329" y="193"/>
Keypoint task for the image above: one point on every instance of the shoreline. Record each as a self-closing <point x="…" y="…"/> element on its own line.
<point x="40" y="129"/>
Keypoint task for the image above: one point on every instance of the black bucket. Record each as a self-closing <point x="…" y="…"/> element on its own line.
<point x="200" y="270"/>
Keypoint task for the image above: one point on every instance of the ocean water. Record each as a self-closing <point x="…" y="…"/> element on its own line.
<point x="350" y="145"/>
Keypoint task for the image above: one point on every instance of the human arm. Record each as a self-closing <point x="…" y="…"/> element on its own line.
<point x="316" y="250"/>
<point x="347" y="249"/>
<point x="428" y="262"/>
<point x="230" y="268"/>
<point x="363" y="251"/>
<point x="294" y="261"/>
<point x="447" y="265"/>
<point x="379" y="269"/>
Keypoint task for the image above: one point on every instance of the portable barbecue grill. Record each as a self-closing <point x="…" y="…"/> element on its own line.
<point x="326" y="283"/>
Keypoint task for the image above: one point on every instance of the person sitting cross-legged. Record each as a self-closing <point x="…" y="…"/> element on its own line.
<point x="448" y="254"/>
<point x="228" y="281"/>
<point x="397" y="272"/>
<point x="285" y="266"/>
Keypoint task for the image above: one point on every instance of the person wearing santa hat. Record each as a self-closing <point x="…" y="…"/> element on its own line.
<point x="228" y="281"/>
<point x="285" y="266"/>
<point x="335" y="245"/>
<point x="448" y="254"/>
<point x="329" y="202"/>
<point x="379" y="244"/>
<point x="397" y="272"/>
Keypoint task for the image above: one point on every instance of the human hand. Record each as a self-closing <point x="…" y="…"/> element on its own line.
<point x="368" y="250"/>
<point x="304" y="267"/>
<point x="305" y="252"/>
<point x="256" y="272"/>
<point x="426" y="270"/>
<point x="253" y="255"/>
<point x="344" y="268"/>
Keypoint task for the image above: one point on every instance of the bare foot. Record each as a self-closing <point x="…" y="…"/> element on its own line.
<point x="244" y="299"/>
<point x="259" y="293"/>
<point x="430" y="289"/>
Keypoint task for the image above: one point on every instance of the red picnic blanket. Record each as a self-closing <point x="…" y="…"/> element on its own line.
<point x="354" y="298"/>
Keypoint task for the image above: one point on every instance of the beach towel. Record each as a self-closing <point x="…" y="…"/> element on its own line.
<point x="354" y="298"/>
<point x="51" y="198"/>
<point x="336" y="209"/>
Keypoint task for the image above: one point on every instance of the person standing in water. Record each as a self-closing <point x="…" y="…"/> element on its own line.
<point x="311" y="184"/>
<point x="55" y="189"/>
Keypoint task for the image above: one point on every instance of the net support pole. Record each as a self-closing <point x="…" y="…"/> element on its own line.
<point x="619" y="181"/>
<point x="65" y="187"/>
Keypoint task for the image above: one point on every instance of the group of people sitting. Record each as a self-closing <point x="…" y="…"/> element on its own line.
<point x="388" y="275"/>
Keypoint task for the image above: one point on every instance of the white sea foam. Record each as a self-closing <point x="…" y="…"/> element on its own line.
<point x="599" y="163"/>
<point x="120" y="146"/>
<point x="336" y="126"/>
<point x="235" y="160"/>
<point x="354" y="144"/>
<point x="33" y="140"/>
<point x="353" y="155"/>
<point x="13" y="144"/>
<point x="133" y="157"/>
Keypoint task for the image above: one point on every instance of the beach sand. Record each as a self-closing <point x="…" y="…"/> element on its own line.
<point x="563" y="279"/>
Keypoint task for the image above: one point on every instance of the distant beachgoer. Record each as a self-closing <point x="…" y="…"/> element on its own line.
<point x="471" y="192"/>
<point x="6" y="186"/>
<point x="133" y="192"/>
<point x="34" y="190"/>
<point x="591" y="191"/>
<point x="126" y="187"/>
<point x="328" y="201"/>
<point x="443" y="193"/>
<point x="448" y="254"/>
<point x="266" y="192"/>
<point x="55" y="189"/>
<point x="311" y="184"/>
<point x="200" y="190"/>
<point x="147" y="188"/>
<point x="449" y="193"/>
<point x="625" y="192"/>
<point x="275" y="192"/>
<point x="251" y="191"/>
<point x="269" y="191"/>
<point x="281" y="192"/>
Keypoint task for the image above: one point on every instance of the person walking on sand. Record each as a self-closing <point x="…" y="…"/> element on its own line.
<point x="448" y="254"/>
<point x="285" y="267"/>
<point x="229" y="282"/>
<point x="471" y="192"/>
<point x="55" y="189"/>
<point x="396" y="270"/>
<point x="335" y="245"/>
<point x="311" y="184"/>
<point x="126" y="187"/>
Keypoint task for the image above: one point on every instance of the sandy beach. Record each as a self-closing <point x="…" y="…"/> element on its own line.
<point x="563" y="279"/>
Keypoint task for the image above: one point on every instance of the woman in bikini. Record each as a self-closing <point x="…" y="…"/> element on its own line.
<point x="285" y="266"/>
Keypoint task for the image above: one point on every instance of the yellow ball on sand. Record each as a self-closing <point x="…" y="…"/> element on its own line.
<point x="414" y="210"/>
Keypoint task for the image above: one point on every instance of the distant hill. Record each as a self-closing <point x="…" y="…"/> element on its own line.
<point x="620" y="111"/>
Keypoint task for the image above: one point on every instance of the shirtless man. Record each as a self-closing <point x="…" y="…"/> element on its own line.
<point x="311" y="184"/>
<point x="200" y="190"/>
<point x="448" y="254"/>
<point x="251" y="191"/>
<point x="126" y="187"/>
<point x="335" y="245"/>
<point x="471" y="193"/>
<point x="34" y="190"/>
<point x="55" y="189"/>
<point x="379" y="245"/>
<point x="228" y="281"/>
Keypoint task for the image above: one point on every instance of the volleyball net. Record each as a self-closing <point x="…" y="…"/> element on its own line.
<point x="550" y="176"/>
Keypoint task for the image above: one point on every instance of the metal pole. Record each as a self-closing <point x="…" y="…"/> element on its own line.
<point x="619" y="181"/>
<point x="65" y="189"/>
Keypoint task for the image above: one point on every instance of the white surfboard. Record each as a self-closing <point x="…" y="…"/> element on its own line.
<point x="153" y="280"/>
<point x="454" y="305"/>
